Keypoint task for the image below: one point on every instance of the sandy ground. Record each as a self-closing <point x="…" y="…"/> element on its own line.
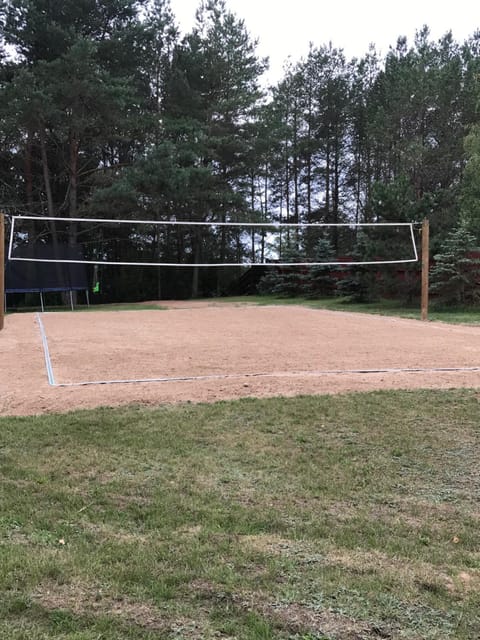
<point x="208" y="352"/>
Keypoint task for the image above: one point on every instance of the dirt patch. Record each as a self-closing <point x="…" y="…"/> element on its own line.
<point x="294" y="618"/>
<point x="298" y="618"/>
<point x="82" y="599"/>
<point x="205" y="353"/>
<point x="269" y="544"/>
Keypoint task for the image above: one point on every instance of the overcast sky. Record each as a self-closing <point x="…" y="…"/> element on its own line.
<point x="286" y="27"/>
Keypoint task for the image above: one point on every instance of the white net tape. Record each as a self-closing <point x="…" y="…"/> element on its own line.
<point x="244" y="244"/>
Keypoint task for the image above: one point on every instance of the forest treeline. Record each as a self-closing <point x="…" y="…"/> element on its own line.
<point x="106" y="111"/>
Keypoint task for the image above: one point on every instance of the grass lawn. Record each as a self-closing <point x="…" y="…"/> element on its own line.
<point x="349" y="517"/>
<point x="381" y="307"/>
<point x="127" y="306"/>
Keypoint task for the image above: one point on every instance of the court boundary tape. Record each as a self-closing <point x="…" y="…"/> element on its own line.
<point x="46" y="352"/>
<point x="235" y="376"/>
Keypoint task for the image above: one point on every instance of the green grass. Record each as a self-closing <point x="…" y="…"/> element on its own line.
<point x="343" y="517"/>
<point x="133" y="306"/>
<point x="381" y="307"/>
<point x="127" y="306"/>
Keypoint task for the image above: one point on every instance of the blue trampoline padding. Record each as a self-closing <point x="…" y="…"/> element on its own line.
<point x="41" y="277"/>
<point x="46" y="290"/>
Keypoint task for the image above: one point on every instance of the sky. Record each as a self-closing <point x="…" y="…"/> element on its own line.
<point x="285" y="28"/>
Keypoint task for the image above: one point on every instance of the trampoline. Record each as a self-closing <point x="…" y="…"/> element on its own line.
<point x="45" y="277"/>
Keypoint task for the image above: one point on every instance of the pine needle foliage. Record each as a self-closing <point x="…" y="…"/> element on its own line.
<point x="455" y="276"/>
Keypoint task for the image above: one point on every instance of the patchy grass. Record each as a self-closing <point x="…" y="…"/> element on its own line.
<point x="349" y="517"/>
<point x="380" y="307"/>
<point x="133" y="306"/>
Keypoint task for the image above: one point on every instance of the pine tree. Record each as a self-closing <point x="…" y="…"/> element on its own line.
<point x="285" y="282"/>
<point x="455" y="276"/>
<point x="320" y="280"/>
<point x="75" y="109"/>
<point x="212" y="97"/>
<point x="470" y="192"/>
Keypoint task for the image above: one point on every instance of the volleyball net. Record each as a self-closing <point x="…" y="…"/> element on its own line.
<point x="179" y="243"/>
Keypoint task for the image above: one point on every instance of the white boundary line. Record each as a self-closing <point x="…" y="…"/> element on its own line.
<point x="279" y="374"/>
<point x="235" y="376"/>
<point x="46" y="352"/>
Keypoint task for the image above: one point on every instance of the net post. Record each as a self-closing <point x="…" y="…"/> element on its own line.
<point x="2" y="270"/>
<point x="425" y="267"/>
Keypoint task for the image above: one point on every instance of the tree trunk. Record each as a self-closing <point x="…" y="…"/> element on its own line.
<point x="252" y="208"/>
<point x="46" y="173"/>
<point x="157" y="258"/>
<point x="73" y="183"/>
<point x="197" y="252"/>
<point x="336" y="193"/>
<point x="73" y="196"/>
<point x="29" y="172"/>
<point x="327" y="182"/>
<point x="295" y="168"/>
<point x="50" y="206"/>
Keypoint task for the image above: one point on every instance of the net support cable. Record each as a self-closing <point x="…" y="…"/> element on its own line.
<point x="276" y="226"/>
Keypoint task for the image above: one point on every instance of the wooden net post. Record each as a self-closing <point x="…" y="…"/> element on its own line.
<point x="425" y="267"/>
<point x="2" y="270"/>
